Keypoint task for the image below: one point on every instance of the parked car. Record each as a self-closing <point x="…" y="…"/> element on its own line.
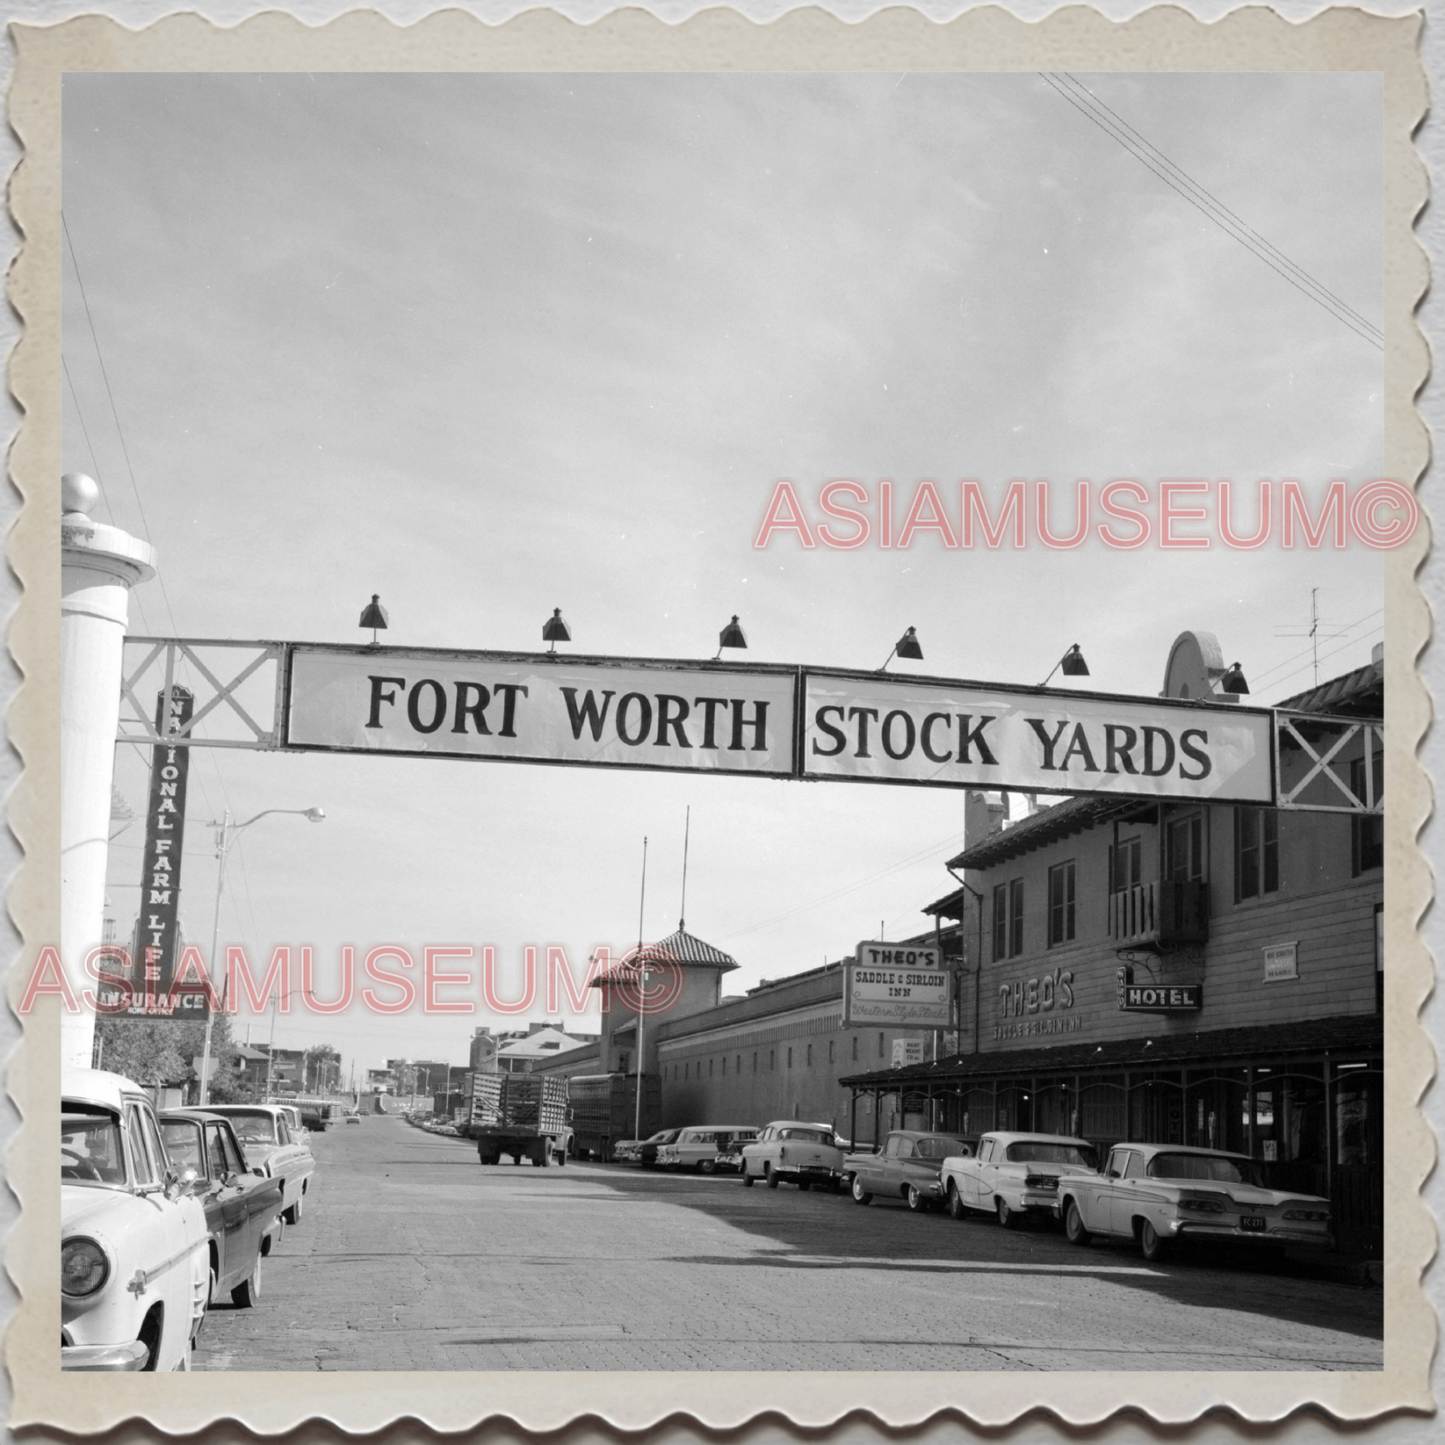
<point x="647" y="1149"/>
<point x="908" y="1166"/>
<point x="243" y="1209"/>
<point x="265" y="1133"/>
<point x="699" y="1146"/>
<point x="803" y="1154"/>
<point x="1163" y="1194"/>
<point x="730" y="1155"/>
<point x="300" y="1130"/>
<point x="1015" y="1175"/>
<point x="133" y="1271"/>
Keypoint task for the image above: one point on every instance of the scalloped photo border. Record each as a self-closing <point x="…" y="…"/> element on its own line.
<point x="1076" y="39"/>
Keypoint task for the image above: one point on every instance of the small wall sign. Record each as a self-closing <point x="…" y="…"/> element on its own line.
<point x="1281" y="961"/>
<point x="907" y="1051"/>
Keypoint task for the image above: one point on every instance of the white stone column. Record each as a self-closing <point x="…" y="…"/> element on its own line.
<point x="98" y="567"/>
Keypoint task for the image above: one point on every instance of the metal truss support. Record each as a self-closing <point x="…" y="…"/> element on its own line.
<point x="156" y="666"/>
<point x="1329" y="764"/>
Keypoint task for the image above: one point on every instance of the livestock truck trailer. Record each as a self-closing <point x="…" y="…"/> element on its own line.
<point x="524" y="1116"/>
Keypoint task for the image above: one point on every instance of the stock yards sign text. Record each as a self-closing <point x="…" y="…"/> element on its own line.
<point x="772" y="722"/>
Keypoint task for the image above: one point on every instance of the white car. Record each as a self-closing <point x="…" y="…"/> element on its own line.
<point x="1014" y="1175"/>
<point x="802" y="1154"/>
<point x="700" y="1146"/>
<point x="134" y="1265"/>
<point x="1160" y="1194"/>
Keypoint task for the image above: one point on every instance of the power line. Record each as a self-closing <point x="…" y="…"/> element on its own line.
<point x="1319" y="295"/>
<point x="1349" y="627"/>
<point x="1219" y="205"/>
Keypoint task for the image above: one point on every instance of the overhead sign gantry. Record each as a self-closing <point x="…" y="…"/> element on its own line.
<point x="770" y="721"/>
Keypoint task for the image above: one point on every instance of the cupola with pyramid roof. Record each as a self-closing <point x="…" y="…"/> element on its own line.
<point x="700" y="966"/>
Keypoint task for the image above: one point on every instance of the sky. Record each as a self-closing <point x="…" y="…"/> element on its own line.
<point x="491" y="345"/>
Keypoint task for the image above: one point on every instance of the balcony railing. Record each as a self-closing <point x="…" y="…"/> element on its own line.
<point x="1160" y="914"/>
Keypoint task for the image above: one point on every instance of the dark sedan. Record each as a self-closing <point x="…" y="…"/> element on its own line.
<point x="242" y="1206"/>
<point x="647" y="1150"/>
<point x="907" y="1167"/>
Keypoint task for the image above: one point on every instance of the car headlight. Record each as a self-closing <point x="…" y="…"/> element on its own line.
<point x="84" y="1267"/>
<point x="1318" y="1216"/>
<point x="1202" y="1206"/>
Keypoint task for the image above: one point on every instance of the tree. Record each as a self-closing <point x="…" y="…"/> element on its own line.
<point x="322" y="1067"/>
<point x="150" y="1051"/>
<point x="160" y="1051"/>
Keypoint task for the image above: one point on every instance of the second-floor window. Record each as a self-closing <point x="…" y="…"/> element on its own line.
<point x="1125" y="861"/>
<point x="1256" y="852"/>
<point x="1367" y="830"/>
<point x="1061" y="904"/>
<point x="1185" y="842"/>
<point x="1008" y="919"/>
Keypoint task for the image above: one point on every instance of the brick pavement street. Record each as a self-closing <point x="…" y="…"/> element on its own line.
<point x="411" y="1256"/>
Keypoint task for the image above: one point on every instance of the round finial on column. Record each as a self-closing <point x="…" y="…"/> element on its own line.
<point x="78" y="493"/>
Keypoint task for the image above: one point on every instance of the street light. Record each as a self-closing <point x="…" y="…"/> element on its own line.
<point x="224" y="839"/>
<point x="907" y="646"/>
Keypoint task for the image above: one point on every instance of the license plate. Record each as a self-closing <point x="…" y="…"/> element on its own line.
<point x="1253" y="1221"/>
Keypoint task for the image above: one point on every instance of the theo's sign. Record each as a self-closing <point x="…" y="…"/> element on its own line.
<point x="895" y="992"/>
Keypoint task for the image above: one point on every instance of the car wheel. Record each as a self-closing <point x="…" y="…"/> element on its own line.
<point x="293" y="1215"/>
<point x="1006" y="1216"/>
<point x="916" y="1202"/>
<point x="249" y="1290"/>
<point x="860" y="1194"/>
<point x="1153" y="1247"/>
<point x="956" y="1209"/>
<point x="1074" y="1224"/>
<point x="769" y="1178"/>
<point x="708" y="1166"/>
<point x="747" y="1180"/>
<point x="561" y="1158"/>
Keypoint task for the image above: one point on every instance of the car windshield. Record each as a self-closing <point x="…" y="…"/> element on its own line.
<point x="807" y="1136"/>
<point x="1204" y="1166"/>
<point x="90" y="1148"/>
<point x="938" y="1148"/>
<point x="1036" y="1151"/>
<point x="254" y="1128"/>
<point x="183" y="1145"/>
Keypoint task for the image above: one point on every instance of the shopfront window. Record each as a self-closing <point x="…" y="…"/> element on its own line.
<point x="1156" y="1109"/>
<point x="1056" y="1108"/>
<point x="1289" y="1127"/>
<point x="1216" y="1107"/>
<point x="1101" y="1109"/>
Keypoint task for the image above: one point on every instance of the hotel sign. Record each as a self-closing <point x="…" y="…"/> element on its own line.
<point x="895" y="992"/>
<point x="895" y="730"/>
<point x="1169" y="998"/>
<point x="536" y="708"/>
